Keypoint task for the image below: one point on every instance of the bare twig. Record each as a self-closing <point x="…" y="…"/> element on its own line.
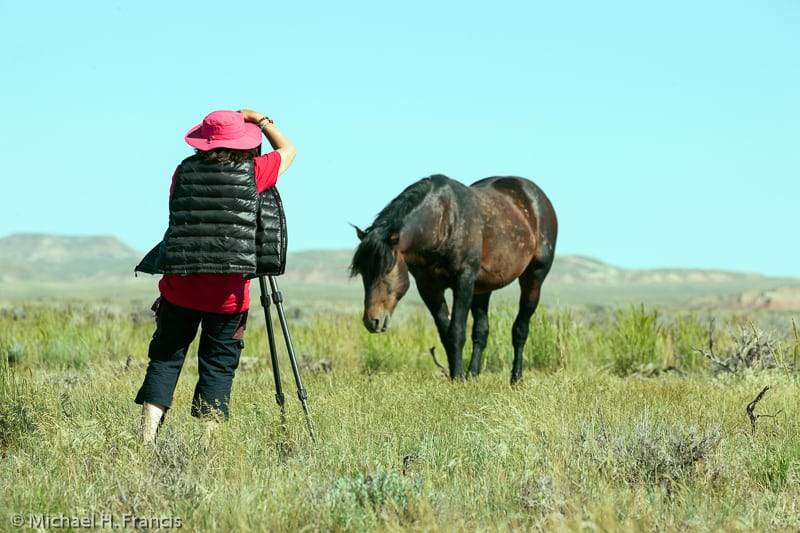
<point x="752" y="349"/>
<point x="709" y="354"/>
<point x="436" y="362"/>
<point x="408" y="459"/>
<point x="711" y="357"/>
<point x="751" y="407"/>
<point x="711" y="323"/>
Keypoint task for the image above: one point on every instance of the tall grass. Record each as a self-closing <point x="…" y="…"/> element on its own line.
<point x="621" y="341"/>
<point x="633" y="340"/>
<point x="587" y="441"/>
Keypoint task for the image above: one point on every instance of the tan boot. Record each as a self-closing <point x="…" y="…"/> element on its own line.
<point x="210" y="426"/>
<point x="151" y="418"/>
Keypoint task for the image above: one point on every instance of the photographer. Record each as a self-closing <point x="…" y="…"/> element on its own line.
<point x="210" y="248"/>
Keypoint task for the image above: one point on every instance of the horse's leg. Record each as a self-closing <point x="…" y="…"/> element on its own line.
<point x="480" y="330"/>
<point x="457" y="333"/>
<point x="530" y="283"/>
<point x="437" y="305"/>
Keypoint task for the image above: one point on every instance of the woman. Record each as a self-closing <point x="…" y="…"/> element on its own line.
<point x="208" y="250"/>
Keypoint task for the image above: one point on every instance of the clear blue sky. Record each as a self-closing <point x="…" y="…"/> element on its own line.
<point x="665" y="135"/>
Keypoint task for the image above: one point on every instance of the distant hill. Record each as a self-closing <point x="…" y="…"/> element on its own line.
<point x="330" y="267"/>
<point x="31" y="256"/>
<point x="40" y="265"/>
<point x="42" y="257"/>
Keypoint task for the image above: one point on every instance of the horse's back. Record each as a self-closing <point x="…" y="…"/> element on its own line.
<point x="532" y="203"/>
<point x="522" y="189"/>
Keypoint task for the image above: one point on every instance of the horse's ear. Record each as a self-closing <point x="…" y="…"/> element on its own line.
<point x="360" y="233"/>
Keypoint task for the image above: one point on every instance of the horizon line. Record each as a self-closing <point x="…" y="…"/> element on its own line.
<point x="723" y="270"/>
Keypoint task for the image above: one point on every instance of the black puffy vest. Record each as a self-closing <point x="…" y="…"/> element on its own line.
<point x="218" y="223"/>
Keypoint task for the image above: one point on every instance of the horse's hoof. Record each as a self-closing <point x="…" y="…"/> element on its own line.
<point x="516" y="380"/>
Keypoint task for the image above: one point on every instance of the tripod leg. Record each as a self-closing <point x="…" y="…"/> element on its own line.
<point x="273" y="352"/>
<point x="277" y="297"/>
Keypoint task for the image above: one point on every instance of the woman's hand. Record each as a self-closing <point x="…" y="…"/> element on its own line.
<point x="251" y="116"/>
<point x="278" y="141"/>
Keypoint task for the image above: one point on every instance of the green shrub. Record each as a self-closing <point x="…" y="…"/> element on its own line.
<point x="354" y="500"/>
<point x="543" y="349"/>
<point x="633" y="340"/>
<point x="688" y="335"/>
<point x="649" y="453"/>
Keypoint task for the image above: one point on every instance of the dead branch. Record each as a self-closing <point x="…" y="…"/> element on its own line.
<point x="751" y="407"/>
<point x="436" y="362"/>
<point x="709" y="354"/>
<point x="408" y="459"/>
<point x="711" y="323"/>
<point x="711" y="357"/>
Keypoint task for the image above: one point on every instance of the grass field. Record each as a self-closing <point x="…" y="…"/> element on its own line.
<point x="620" y="424"/>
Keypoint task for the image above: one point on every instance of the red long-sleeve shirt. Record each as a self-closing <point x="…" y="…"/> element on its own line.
<point x="219" y="293"/>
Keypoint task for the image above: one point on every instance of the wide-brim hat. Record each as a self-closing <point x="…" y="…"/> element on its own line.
<point x="224" y="129"/>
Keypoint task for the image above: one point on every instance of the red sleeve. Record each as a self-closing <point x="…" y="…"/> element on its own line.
<point x="266" y="170"/>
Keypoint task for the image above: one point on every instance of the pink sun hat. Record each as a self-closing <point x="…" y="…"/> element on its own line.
<point x="224" y="129"/>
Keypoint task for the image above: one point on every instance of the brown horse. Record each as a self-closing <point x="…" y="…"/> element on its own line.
<point x="472" y="240"/>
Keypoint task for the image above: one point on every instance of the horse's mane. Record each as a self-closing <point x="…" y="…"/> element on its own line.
<point x="374" y="255"/>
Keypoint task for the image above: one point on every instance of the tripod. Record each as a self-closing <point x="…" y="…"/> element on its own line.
<point x="277" y="298"/>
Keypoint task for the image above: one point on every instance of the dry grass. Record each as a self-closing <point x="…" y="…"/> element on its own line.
<point x="576" y="446"/>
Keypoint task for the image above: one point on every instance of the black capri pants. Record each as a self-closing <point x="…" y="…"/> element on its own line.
<point x="221" y="343"/>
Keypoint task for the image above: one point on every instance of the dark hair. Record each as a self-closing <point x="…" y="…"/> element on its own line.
<point x="229" y="154"/>
<point x="374" y="256"/>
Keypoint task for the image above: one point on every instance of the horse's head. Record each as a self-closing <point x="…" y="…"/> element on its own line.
<point x="384" y="273"/>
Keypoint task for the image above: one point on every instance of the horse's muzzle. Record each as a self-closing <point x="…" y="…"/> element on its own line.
<point x="377" y="325"/>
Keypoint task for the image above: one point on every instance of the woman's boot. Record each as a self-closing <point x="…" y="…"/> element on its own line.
<point x="151" y="420"/>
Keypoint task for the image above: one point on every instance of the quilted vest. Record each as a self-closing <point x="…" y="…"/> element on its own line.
<point x="218" y="223"/>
